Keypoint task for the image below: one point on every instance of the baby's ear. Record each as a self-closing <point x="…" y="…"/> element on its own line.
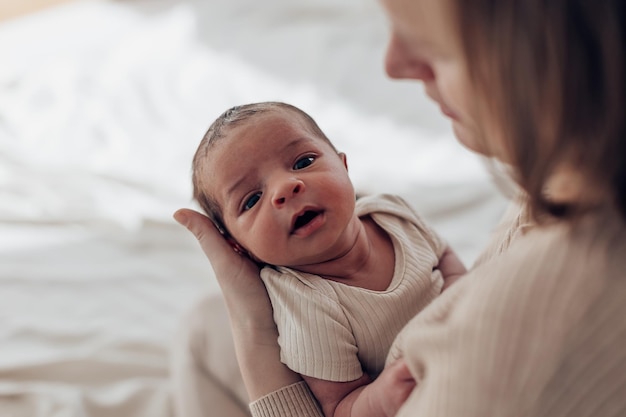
<point x="240" y="250"/>
<point x="236" y="246"/>
<point x="344" y="158"/>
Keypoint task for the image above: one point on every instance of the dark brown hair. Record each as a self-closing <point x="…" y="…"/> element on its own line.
<point x="551" y="73"/>
<point x="218" y="130"/>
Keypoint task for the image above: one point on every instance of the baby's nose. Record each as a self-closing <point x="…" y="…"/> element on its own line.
<point x="287" y="190"/>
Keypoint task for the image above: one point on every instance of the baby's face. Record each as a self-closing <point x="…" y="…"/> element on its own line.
<point x="285" y="193"/>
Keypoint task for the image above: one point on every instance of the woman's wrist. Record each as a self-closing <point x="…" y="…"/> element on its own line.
<point x="258" y="354"/>
<point x="292" y="400"/>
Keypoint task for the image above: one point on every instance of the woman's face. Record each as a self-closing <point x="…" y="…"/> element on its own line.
<point x="425" y="46"/>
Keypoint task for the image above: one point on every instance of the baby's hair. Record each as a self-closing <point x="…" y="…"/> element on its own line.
<point x="233" y="117"/>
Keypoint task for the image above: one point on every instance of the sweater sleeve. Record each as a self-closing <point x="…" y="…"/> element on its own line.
<point x="294" y="400"/>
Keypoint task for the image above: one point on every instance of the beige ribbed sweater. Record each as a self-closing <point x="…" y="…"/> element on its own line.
<point x="335" y="332"/>
<point x="535" y="331"/>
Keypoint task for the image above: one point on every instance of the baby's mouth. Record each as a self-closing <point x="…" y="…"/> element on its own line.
<point x="304" y="219"/>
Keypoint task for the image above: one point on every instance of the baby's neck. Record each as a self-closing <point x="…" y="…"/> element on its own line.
<point x="368" y="264"/>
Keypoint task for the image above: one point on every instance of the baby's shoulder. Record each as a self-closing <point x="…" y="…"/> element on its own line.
<point x="291" y="281"/>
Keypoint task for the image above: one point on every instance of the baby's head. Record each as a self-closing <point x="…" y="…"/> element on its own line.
<point x="266" y="173"/>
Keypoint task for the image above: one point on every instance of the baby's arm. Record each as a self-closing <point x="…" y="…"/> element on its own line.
<point x="363" y="397"/>
<point x="451" y="267"/>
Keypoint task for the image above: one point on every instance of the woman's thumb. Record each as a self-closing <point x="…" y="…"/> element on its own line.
<point x="198" y="224"/>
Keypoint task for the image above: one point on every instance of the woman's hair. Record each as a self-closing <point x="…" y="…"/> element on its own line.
<point x="551" y="74"/>
<point x="232" y="117"/>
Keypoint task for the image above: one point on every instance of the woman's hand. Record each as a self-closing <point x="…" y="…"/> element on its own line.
<point x="391" y="389"/>
<point x="249" y="308"/>
<point x="237" y="275"/>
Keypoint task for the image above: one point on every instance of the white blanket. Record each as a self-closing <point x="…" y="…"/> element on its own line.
<point x="102" y="105"/>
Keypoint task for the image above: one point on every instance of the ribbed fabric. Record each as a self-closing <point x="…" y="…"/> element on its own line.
<point x="537" y="330"/>
<point x="515" y="222"/>
<point x="291" y="401"/>
<point x="332" y="331"/>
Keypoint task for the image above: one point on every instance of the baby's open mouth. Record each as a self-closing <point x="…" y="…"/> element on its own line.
<point x="305" y="218"/>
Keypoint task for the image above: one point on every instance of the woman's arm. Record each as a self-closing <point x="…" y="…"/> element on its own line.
<point x="254" y="332"/>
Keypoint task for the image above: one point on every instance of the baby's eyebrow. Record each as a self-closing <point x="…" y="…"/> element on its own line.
<point x="240" y="185"/>
<point x="236" y="185"/>
<point x="294" y="143"/>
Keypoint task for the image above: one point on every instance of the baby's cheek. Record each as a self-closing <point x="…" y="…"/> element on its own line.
<point x="264" y="247"/>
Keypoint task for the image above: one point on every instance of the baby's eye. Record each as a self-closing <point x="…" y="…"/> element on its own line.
<point x="250" y="202"/>
<point x="303" y="162"/>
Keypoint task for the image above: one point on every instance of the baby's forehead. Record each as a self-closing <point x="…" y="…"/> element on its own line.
<point x="271" y="127"/>
<point x="276" y="116"/>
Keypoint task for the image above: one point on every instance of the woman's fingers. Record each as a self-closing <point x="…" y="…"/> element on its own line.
<point x="236" y="273"/>
<point x="210" y="239"/>
<point x="223" y="259"/>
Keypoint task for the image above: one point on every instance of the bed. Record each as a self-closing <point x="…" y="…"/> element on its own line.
<point x="102" y="104"/>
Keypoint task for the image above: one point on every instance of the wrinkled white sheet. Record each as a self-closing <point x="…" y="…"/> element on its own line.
<point x="101" y="107"/>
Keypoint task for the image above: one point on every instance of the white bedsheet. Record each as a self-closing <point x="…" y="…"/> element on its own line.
<point x="102" y="104"/>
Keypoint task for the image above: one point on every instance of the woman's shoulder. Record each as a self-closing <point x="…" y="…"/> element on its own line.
<point x="549" y="280"/>
<point x="540" y="321"/>
<point x="556" y="298"/>
<point x="559" y="257"/>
